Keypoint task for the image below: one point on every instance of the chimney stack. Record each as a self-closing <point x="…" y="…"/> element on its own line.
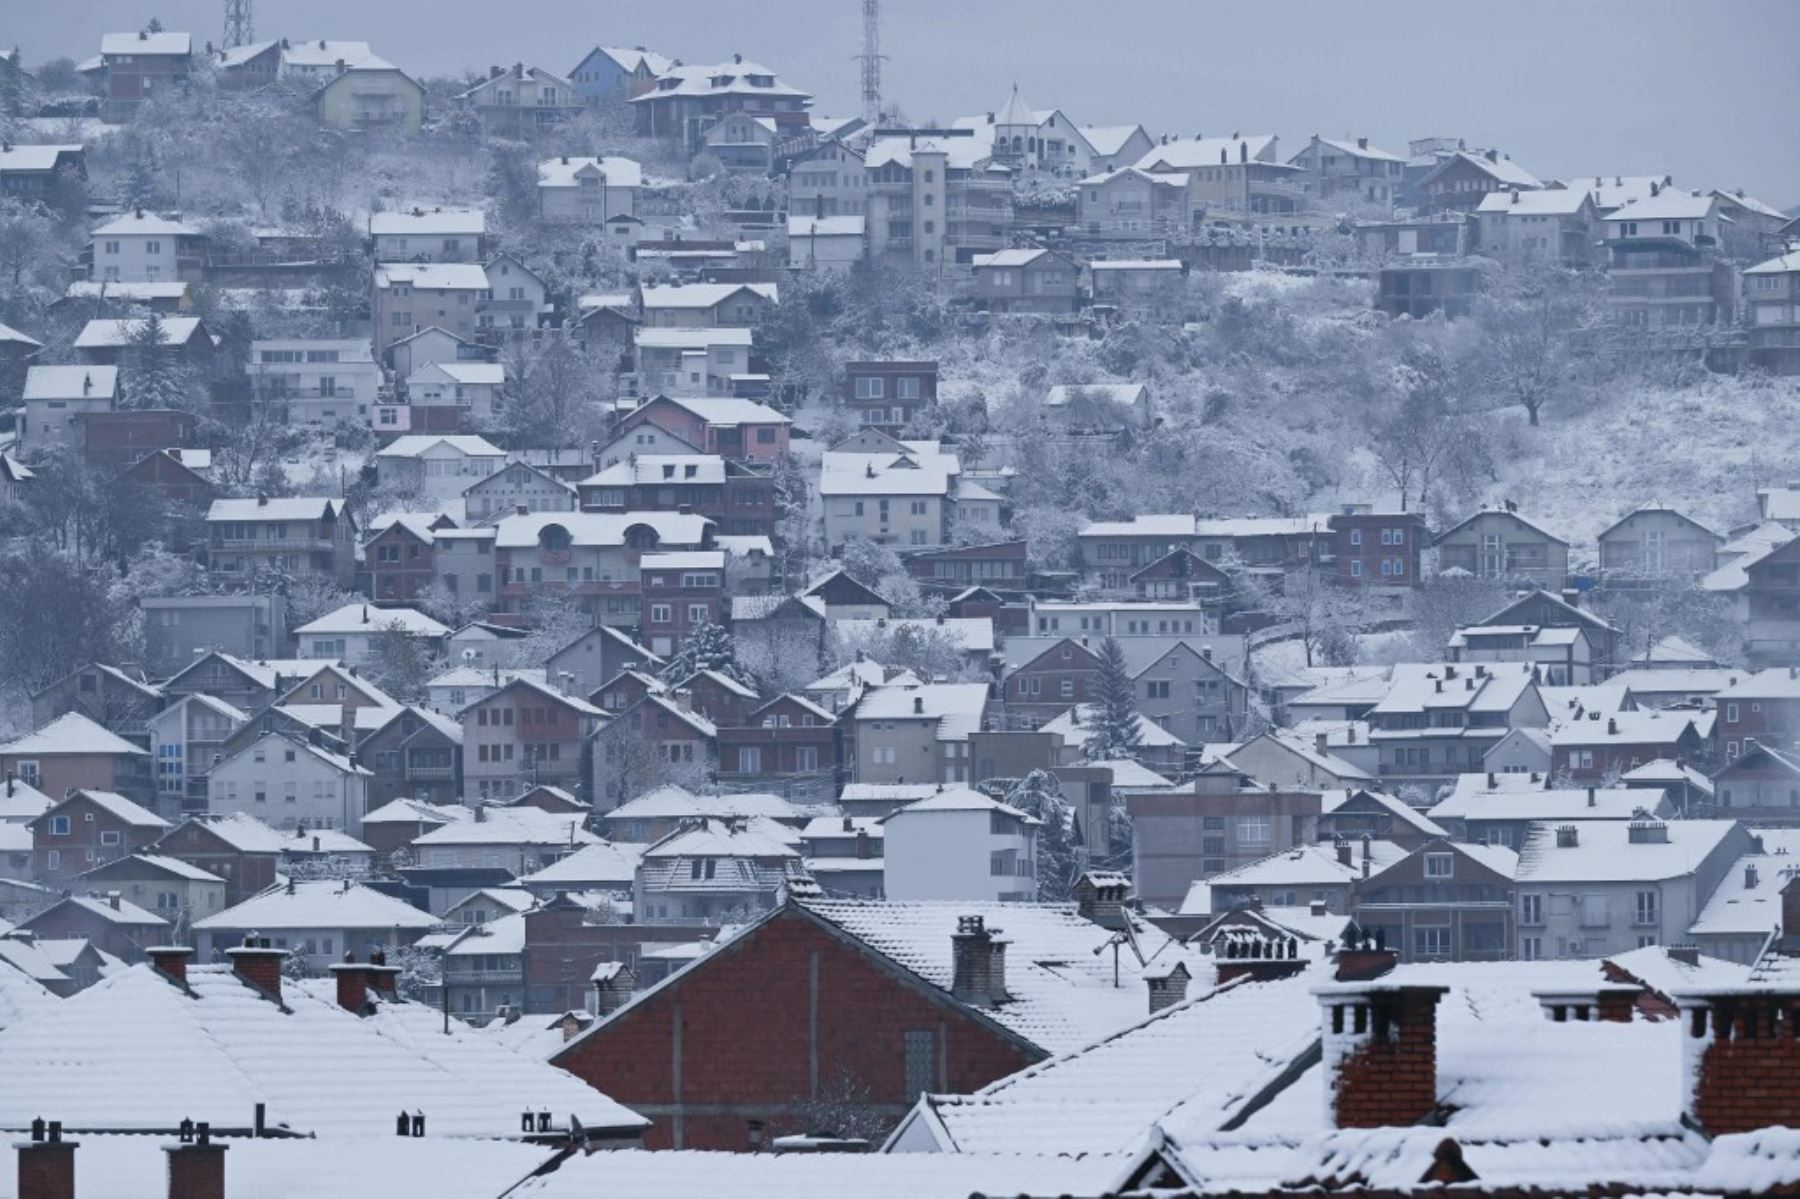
<point x="1380" y="1051"/>
<point x="384" y="979"/>
<point x="196" y="1164"/>
<point x="1740" y="1057"/>
<point x="1100" y="897"/>
<point x="1614" y="1004"/>
<point x="1343" y="853"/>
<point x="1168" y="983"/>
<point x="258" y="963"/>
<point x="613" y="985"/>
<point x="170" y="961"/>
<point x="978" y="961"/>
<point x="1362" y="958"/>
<point x="1321" y="744"/>
<point x="46" y="1163"/>
<point x="352" y="979"/>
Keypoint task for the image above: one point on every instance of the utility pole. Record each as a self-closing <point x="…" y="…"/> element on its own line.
<point x="871" y="57"/>
<point x="239" y="30"/>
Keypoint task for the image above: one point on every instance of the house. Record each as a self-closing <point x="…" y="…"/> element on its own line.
<point x="1762" y="707"/>
<point x="135" y="66"/>
<point x="826" y="243"/>
<point x="1600" y="746"/>
<point x="679" y="593"/>
<point x="35" y="172"/>
<point x="110" y="923"/>
<point x="1606" y="886"/>
<point x="1040" y="141"/>
<point x="437" y="467"/>
<point x="294" y="537"/>
<point x="593" y="556"/>
<point x="1501" y="809"/>
<point x="1760" y="786"/>
<point x="1546" y="609"/>
<point x="1183" y="687"/>
<point x="1286" y="761"/>
<point x="1220" y="821"/>
<point x="1665" y="270"/>
<point x="1462" y="179"/>
<point x="1772" y="311"/>
<point x="414" y="753"/>
<point x="516" y="487"/>
<point x="1181" y="574"/>
<point x="1523" y="750"/>
<point x="515" y="305"/>
<point x="109" y="341"/>
<point x="688" y="99"/>
<point x="1657" y="543"/>
<point x="1551" y="226"/>
<point x="87" y="828"/>
<point x="846" y="599"/>
<point x="904" y="498"/>
<point x="1445" y="901"/>
<point x="738" y="498"/>
<point x="889" y="395"/>
<point x="844" y="854"/>
<point x="1027" y="281"/>
<point x="55" y="397"/>
<point x="919" y="733"/>
<point x="596" y="656"/>
<point x="491" y="847"/>
<point x="315" y="381"/>
<point x="587" y="190"/>
<point x="525" y="730"/>
<point x="1099" y="407"/>
<point x="399" y="555"/>
<point x="828" y="180"/>
<point x="354" y="632"/>
<point x="406" y="355"/>
<point x="730" y="428"/>
<point x="108" y="696"/>
<point x="789" y="744"/>
<point x="371" y="96"/>
<point x="616" y="73"/>
<point x="690" y="361"/>
<point x="1565" y="654"/>
<point x="412" y="297"/>
<point x="1378" y="552"/>
<point x="176" y="891"/>
<point x="391" y="828"/>
<point x="240" y="849"/>
<point x="1498" y="543"/>
<point x="961" y="845"/>
<point x="662" y="811"/>
<point x="910" y="183"/>
<point x="1133" y="205"/>
<point x="522" y="102"/>
<point x="182" y="480"/>
<point x="927" y="1024"/>
<point x="711" y="870"/>
<point x="72" y="753"/>
<point x="1238" y="179"/>
<point x="185" y="737"/>
<point x="1437" y="721"/>
<point x="1340" y="170"/>
<point x="974" y="576"/>
<point x="656" y="738"/>
<point x="743" y="143"/>
<point x="15" y="477"/>
<point x="1114" y="146"/>
<point x="287" y="783"/>
<point x="178" y="628"/>
<point x="141" y="246"/>
<point x="320" y="921"/>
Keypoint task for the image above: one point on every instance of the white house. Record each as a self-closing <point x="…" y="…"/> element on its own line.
<point x="141" y="246"/>
<point x="351" y="633"/>
<point x="959" y="844"/>
<point x="321" y="920"/>
<point x="826" y="243"/>
<point x="287" y="783"/>
<point x="901" y="498"/>
<point x="588" y="190"/>
<point x="473" y="386"/>
<point x="435" y="236"/>
<point x="315" y="381"/>
<point x="55" y="396"/>
<point x="690" y="362"/>
<point x="441" y="466"/>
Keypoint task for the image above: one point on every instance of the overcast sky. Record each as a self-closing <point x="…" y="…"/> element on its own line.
<point x="1707" y="91"/>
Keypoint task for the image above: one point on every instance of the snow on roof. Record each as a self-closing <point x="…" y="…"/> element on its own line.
<point x="416" y="811"/>
<point x="568" y="170"/>
<point x="1747" y="900"/>
<point x="490" y="374"/>
<point x="173" y="866"/>
<point x="433" y="276"/>
<point x="1774" y="683"/>
<point x="468" y="221"/>
<point x="1307" y="752"/>
<point x="1500" y="167"/>
<point x="302" y="841"/>
<point x="692" y="339"/>
<point x="1543" y="201"/>
<point x="37" y="157"/>
<point x="216" y="1054"/>
<point x="275" y="508"/>
<point x="718" y="79"/>
<point x="71" y="383"/>
<point x="1405" y="813"/>
<point x="1649" y="727"/>
<point x="1108" y="140"/>
<point x="73" y="733"/>
<point x="1666" y="770"/>
<point x="756" y="838"/>
<point x="629" y="58"/>
<point x="1143" y="525"/>
<point x="684" y="560"/>
<point x="604" y="863"/>
<point x="1780" y="265"/>
<point x="673" y="802"/>
<point x="243" y="831"/>
<point x="660" y="468"/>
<point x="512" y="826"/>
<point x="1671" y="203"/>
<point x="1076" y="727"/>
<point x="957" y="707"/>
<point x="122" y="912"/>
<point x="702" y="295"/>
<point x="324" y="903"/>
<point x="21" y="995"/>
<point x="1361" y="150"/>
<point x="143" y="42"/>
<point x="1478" y="687"/>
<point x="414" y="445"/>
<point x="1309" y="865"/>
<point x="1062" y="990"/>
<point x="367" y="618"/>
<point x="20" y="801"/>
<point x="116" y="333"/>
<point x="145" y="224"/>
<point x="1473" y="800"/>
<point x="1132" y="776"/>
<point x="600" y="528"/>
<point x="960" y="153"/>
<point x="1190" y="153"/>
<point x="959" y="799"/>
<point x="324" y="52"/>
<point x="1605" y="851"/>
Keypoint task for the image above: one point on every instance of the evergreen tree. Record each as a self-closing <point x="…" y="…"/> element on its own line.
<point x="1059" y="857"/>
<point x="140" y="178"/>
<point x="153" y="378"/>
<point x="1116" y="730"/>
<point x="707" y="646"/>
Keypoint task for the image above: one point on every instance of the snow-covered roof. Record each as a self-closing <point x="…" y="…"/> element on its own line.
<point x="71" y="382"/>
<point x="1061" y="984"/>
<point x="114" y="910"/>
<point x="1405" y="813"/>
<point x="1606" y="851"/>
<point x="603" y="863"/>
<point x="660" y="468"/>
<point x="960" y="153"/>
<point x="168" y="865"/>
<point x="630" y="57"/>
<point x="1747" y="900"/>
<point x="21" y="995"/>
<point x="243" y="832"/>
<point x="692" y="339"/>
<point x="1669" y="773"/>
<point x="1648" y="727"/>
<point x="324" y="52"/>
<point x="1076" y="727"/>
<point x="146" y="224"/>
<point x="726" y="410"/>
<point x="1190" y="153"/>
<point x="1107" y="140"/>
<point x="702" y="295"/>
<point x="673" y="802"/>
<point x="1781" y="264"/>
<point x="433" y="276"/>
<point x="416" y="811"/>
<point x="301" y="842"/>
<point x="755" y="838"/>
<point x="1540" y="201"/>
<point x="718" y="79"/>
<point x="72" y="733"/>
<point x="318" y="904"/>
<point x="512" y="826"/>
<point x="414" y="445"/>
<point x="144" y="42"/>
<point x="1500" y="167"/>
<point x="483" y="374"/>
<point x="1307" y="752"/>
<point x="956" y="707"/>
<point x="366" y="618"/>
<point x="958" y="799"/>
<point x="1475" y="687"/>
<point x="217" y="1049"/>
<point x="1309" y="866"/>
<point x="110" y="333"/>
<point x="568" y="170"/>
<point x="36" y="157"/>
<point x="1142" y="525"/>
<point x="600" y="528"/>
<point x="1472" y="799"/>
<point x="298" y="507"/>
<point x="466" y="221"/>
<point x="1669" y="204"/>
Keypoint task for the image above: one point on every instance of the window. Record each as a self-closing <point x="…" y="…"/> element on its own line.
<point x="109" y="837"/>
<point x="1531" y="909"/>
<point x="1255" y="830"/>
<point x="882" y="755"/>
<point x="1431" y="942"/>
<point x="1644" y="912"/>
<point x="59" y="826"/>
<point x="1355" y="536"/>
<point x="920" y="1047"/>
<point x="1531" y="948"/>
<point x="869" y="388"/>
<point x="1440" y="865"/>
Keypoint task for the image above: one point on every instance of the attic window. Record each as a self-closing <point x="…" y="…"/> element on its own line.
<point x="1440" y="865"/>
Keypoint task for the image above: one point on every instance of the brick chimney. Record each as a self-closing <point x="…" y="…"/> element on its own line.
<point x="1362" y="958"/>
<point x="978" y="963"/>
<point x="1100" y="897"/>
<point x="258" y="963"/>
<point x="384" y="979"/>
<point x="1380" y="1053"/>
<point x="46" y="1163"/>
<point x="1741" y="1059"/>
<point x="1613" y="1004"/>
<point x="1257" y="958"/>
<point x="613" y="985"/>
<point x="196" y="1164"/>
<point x="352" y="978"/>
<point x="1168" y="983"/>
<point x="170" y="961"/>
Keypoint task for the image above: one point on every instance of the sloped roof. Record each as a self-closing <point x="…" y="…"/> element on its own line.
<point x="115" y="333"/>
<point x="1671" y="203"/>
<point x="367" y="618"/>
<point x="144" y="42"/>
<point x="325" y="903"/>
<point x="602" y="863"/>
<point x="673" y="802"/>
<point x="72" y="733"/>
<point x="1604" y="852"/>
<point x="566" y="170"/>
<point x="1190" y="153"/>
<point x="468" y="221"/>
<point x="71" y="382"/>
<point x="512" y="826"/>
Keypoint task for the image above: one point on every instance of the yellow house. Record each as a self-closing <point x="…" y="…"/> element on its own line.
<point x="371" y="96"/>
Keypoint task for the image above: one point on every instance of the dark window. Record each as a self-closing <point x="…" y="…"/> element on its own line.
<point x="921" y="1062"/>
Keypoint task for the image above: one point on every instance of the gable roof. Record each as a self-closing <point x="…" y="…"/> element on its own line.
<point x="322" y="903"/>
<point x="71" y="383"/>
<point x="1502" y="512"/>
<point x="71" y="734"/>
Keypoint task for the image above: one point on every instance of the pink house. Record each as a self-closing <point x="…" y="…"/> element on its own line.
<point x="729" y="427"/>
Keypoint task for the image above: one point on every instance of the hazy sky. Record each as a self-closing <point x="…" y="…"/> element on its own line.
<point x="1707" y="90"/>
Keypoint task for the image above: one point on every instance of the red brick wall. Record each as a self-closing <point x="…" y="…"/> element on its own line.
<point x="746" y="1050"/>
<point x="1747" y="1072"/>
<point x="1387" y="1072"/>
<point x="47" y="1171"/>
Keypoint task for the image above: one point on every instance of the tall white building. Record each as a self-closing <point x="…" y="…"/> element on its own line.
<point x="959" y="844"/>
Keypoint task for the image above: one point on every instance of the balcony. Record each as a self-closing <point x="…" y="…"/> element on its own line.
<point x="430" y="774"/>
<point x="274" y="544"/>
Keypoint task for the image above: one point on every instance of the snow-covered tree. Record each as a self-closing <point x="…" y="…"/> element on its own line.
<point x="707" y="646"/>
<point x="1115" y="731"/>
<point x="1059" y="860"/>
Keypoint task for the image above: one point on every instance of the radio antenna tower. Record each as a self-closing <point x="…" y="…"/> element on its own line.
<point x="871" y="57"/>
<point x="238" y="28"/>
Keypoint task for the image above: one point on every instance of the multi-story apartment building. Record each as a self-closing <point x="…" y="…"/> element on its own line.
<point x="434" y="235"/>
<point x="593" y="556"/>
<point x="298" y="536"/>
<point x="410" y="297"/>
<point x="740" y="499"/>
<point x="679" y="592"/>
<point x="1665" y="268"/>
<point x="522" y="101"/>
<point x="1336" y="171"/>
<point x="315" y="381"/>
<point x="688" y="99"/>
<point x="935" y="200"/>
<point x="525" y="733"/>
<point x="1772" y="310"/>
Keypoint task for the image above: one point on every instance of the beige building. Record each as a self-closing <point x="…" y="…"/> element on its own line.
<point x="1551" y="225"/>
<point x="587" y="191"/>
<point x="889" y="498"/>
<point x="1496" y="543"/>
<point x="933" y="202"/>
<point x="1658" y="543"/>
<point x="411" y="296"/>
<point x="372" y="96"/>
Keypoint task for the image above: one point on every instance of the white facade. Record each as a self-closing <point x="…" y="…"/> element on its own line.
<point x="317" y="382"/>
<point x="139" y="247"/>
<point x="977" y="850"/>
<point x="285" y="784"/>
